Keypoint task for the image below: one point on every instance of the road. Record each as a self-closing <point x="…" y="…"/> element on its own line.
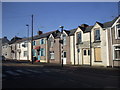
<point x="18" y="75"/>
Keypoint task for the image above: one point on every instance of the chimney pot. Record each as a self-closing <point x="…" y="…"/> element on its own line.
<point x="39" y="32"/>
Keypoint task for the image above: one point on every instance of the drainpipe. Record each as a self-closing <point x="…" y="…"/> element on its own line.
<point x="90" y="50"/>
<point x="74" y="47"/>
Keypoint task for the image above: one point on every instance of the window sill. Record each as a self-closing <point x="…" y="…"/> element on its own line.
<point x="52" y="59"/>
<point x="97" y="61"/>
<point x="79" y="43"/>
<point x="118" y="38"/>
<point x="97" y="41"/>
<point x="116" y="59"/>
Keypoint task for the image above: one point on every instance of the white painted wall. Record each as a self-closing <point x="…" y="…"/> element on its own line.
<point x="72" y="49"/>
<point x="22" y="49"/>
<point x="6" y="51"/>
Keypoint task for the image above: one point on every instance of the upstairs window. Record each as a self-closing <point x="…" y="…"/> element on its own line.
<point x="51" y="41"/>
<point x="34" y="43"/>
<point x="118" y="31"/>
<point x="25" y="43"/>
<point x="42" y="41"/>
<point x="97" y="35"/>
<point x="64" y="39"/>
<point x="51" y="44"/>
<point x="79" y="37"/>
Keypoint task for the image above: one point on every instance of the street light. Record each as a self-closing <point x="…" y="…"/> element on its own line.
<point x="27" y="42"/>
<point x="62" y="43"/>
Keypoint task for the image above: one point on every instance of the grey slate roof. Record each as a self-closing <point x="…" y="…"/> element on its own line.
<point x="108" y="24"/>
<point x="88" y="29"/>
<point x="72" y="31"/>
<point x="103" y="25"/>
<point x="44" y="35"/>
<point x="4" y="40"/>
<point x="23" y="39"/>
<point x="14" y="39"/>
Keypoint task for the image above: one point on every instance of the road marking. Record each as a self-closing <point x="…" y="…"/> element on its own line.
<point x="12" y="73"/>
<point x="34" y="71"/>
<point x="21" y="71"/>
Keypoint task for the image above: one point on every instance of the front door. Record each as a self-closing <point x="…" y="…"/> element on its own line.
<point x="86" y="56"/>
<point x="38" y="51"/>
<point x="64" y="57"/>
<point x="38" y="57"/>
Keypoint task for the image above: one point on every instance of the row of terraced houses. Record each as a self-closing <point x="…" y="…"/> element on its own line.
<point x="97" y="45"/>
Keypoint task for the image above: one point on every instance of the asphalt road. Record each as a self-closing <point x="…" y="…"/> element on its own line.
<point x="20" y="75"/>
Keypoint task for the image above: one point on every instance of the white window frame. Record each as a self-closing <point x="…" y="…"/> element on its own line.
<point x="95" y="34"/>
<point x="42" y="40"/>
<point x="114" y="52"/>
<point x="52" y="55"/>
<point x="25" y="54"/>
<point x="116" y="31"/>
<point x="51" y="43"/>
<point x="42" y="52"/>
<point x="79" y="39"/>
<point x="64" y="39"/>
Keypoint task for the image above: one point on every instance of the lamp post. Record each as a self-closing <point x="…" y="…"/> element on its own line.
<point x="61" y="44"/>
<point x="27" y="42"/>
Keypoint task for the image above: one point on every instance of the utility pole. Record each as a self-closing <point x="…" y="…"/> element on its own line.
<point x="32" y="41"/>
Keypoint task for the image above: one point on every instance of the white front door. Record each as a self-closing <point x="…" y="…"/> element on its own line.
<point x="64" y="57"/>
<point x="86" y="56"/>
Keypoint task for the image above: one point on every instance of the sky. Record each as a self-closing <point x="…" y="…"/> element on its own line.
<point x="48" y="16"/>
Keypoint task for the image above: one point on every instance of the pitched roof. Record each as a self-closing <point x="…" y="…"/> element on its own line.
<point x="44" y="35"/>
<point x="108" y="24"/>
<point x="21" y="40"/>
<point x="58" y="35"/>
<point x="88" y="29"/>
<point x="4" y="40"/>
<point x="14" y="39"/>
<point x="72" y="31"/>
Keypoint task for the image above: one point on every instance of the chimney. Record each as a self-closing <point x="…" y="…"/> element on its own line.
<point x="39" y="32"/>
<point x="5" y="37"/>
<point x="84" y="25"/>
